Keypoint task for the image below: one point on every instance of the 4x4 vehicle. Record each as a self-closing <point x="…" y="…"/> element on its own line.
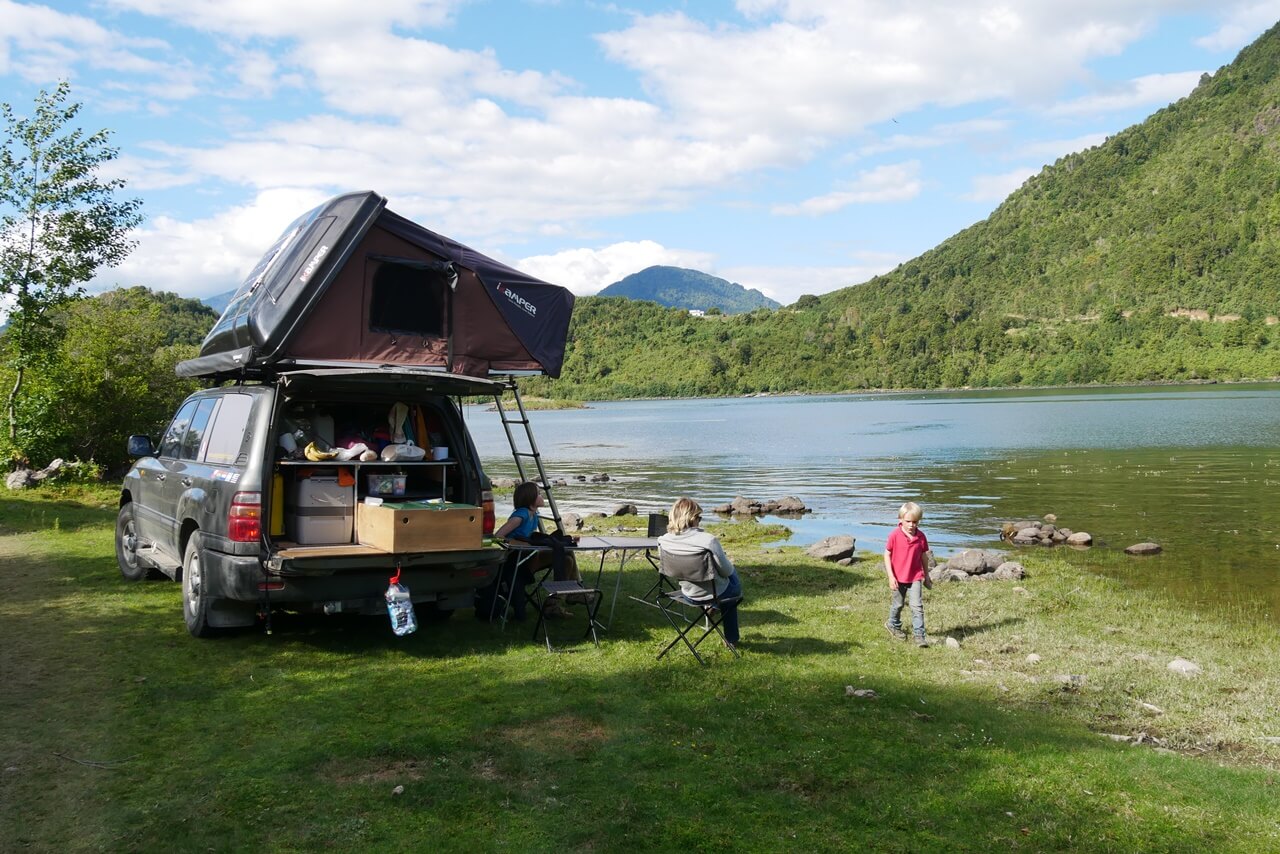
<point x="198" y="508"/>
<point x="356" y="326"/>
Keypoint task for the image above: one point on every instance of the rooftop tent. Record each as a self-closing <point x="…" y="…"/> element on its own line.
<point x="351" y="282"/>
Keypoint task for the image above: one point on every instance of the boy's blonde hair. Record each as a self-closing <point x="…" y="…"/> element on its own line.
<point x="685" y="514"/>
<point x="910" y="510"/>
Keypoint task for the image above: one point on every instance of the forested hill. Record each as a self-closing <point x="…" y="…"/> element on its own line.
<point x="677" y="287"/>
<point x="1154" y="256"/>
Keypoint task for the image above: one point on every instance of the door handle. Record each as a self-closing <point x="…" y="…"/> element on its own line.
<point x="186" y="481"/>
<point x="160" y="477"/>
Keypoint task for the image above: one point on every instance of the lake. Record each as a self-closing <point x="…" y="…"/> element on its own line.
<point x="1193" y="468"/>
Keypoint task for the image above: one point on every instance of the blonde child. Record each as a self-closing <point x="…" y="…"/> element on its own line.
<point x="905" y="563"/>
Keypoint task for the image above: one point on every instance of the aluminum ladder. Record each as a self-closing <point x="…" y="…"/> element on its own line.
<point x="521" y="456"/>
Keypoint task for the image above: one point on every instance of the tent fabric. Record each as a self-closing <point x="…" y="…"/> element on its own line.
<point x="359" y="284"/>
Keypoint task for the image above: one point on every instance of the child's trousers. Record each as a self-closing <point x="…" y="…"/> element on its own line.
<point x="914" y="595"/>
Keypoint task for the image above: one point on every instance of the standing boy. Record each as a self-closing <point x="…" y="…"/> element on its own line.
<point x="904" y="563"/>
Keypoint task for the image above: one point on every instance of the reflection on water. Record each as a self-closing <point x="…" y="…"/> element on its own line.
<point x="1193" y="468"/>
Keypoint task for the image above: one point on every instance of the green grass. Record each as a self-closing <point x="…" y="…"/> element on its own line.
<point x="295" y="741"/>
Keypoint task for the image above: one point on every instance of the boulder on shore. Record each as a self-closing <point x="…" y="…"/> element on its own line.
<point x="975" y="561"/>
<point x="832" y="548"/>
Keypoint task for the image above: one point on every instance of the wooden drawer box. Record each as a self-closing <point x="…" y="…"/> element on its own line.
<point x="412" y="526"/>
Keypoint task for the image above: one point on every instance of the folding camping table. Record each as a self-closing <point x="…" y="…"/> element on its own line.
<point x="626" y="548"/>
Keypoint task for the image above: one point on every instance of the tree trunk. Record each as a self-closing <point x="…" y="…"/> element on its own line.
<point x="13" y="396"/>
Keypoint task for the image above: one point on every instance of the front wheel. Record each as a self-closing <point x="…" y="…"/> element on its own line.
<point x="127" y="542"/>
<point x="195" y="599"/>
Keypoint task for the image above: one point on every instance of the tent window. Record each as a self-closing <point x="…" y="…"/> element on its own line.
<point x="408" y="299"/>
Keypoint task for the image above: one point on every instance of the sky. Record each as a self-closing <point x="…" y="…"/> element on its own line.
<point x="794" y="146"/>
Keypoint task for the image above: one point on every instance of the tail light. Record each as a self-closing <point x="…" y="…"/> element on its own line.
<point x="486" y="503"/>
<point x="244" y="519"/>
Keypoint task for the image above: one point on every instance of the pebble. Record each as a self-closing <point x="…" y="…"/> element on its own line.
<point x="1150" y="709"/>
<point x="1183" y="667"/>
<point x="952" y="643"/>
<point x="864" y="693"/>
<point x="1033" y="659"/>
<point x="398" y="790"/>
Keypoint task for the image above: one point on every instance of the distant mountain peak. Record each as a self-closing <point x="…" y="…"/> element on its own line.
<point x="679" y="287"/>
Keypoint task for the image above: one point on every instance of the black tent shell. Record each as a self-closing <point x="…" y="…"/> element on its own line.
<point x="352" y="283"/>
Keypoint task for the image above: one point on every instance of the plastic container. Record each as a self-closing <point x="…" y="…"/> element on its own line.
<point x="400" y="608"/>
<point x="321" y="510"/>
<point x="385" y="484"/>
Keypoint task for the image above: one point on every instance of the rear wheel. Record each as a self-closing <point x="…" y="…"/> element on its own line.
<point x="131" y="565"/>
<point x="195" y="601"/>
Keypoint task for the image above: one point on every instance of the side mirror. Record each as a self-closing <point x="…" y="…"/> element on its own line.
<point x="140" y="446"/>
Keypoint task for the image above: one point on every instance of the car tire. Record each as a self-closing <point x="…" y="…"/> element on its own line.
<point x="132" y="566"/>
<point x="195" y="601"/>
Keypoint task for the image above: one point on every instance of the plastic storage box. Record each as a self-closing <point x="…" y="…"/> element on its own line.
<point x="319" y="510"/>
<point x="385" y="484"/>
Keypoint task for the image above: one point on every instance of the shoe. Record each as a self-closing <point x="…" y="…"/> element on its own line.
<point x="556" y="611"/>
<point x="920" y="641"/>
<point x="898" y="634"/>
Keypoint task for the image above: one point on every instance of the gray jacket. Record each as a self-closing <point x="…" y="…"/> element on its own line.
<point x="691" y="541"/>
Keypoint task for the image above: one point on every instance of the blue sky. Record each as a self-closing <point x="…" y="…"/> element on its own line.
<point x="794" y="146"/>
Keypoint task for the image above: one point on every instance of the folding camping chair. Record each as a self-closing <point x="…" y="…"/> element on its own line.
<point x="701" y="568"/>
<point x="661" y="583"/>
<point x="550" y="591"/>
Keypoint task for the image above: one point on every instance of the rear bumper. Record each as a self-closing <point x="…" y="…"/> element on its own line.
<point x="430" y="577"/>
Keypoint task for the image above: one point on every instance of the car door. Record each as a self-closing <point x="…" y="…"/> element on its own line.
<point x="179" y="462"/>
<point x="150" y="514"/>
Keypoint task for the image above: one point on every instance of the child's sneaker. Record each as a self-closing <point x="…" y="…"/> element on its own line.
<point x="898" y="634"/>
<point x="920" y="641"/>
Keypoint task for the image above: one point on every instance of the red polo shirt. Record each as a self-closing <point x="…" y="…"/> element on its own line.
<point x="906" y="555"/>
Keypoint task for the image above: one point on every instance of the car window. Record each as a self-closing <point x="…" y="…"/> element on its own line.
<point x="194" y="437"/>
<point x="177" y="429"/>
<point x="226" y="438"/>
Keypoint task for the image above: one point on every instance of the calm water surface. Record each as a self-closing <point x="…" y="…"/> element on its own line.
<point x="1196" y="469"/>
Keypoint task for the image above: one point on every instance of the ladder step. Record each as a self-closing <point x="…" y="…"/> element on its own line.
<point x="533" y="454"/>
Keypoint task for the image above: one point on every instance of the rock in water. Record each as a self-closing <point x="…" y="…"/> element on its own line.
<point x="1143" y="549"/>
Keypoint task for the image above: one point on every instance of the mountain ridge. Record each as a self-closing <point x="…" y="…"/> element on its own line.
<point x="681" y="287"/>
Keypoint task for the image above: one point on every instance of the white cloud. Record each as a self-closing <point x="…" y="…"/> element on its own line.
<point x="1150" y="90"/>
<point x="897" y="182"/>
<point x="994" y="188"/>
<point x="815" y="70"/>
<point x="42" y="44"/>
<point x="585" y="271"/>
<point x="209" y="256"/>
<point x="1242" y="25"/>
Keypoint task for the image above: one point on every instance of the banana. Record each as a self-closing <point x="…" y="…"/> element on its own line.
<point x="316" y="455"/>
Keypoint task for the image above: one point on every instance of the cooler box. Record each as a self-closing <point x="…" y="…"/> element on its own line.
<point x="419" y="526"/>
<point x="319" y="510"/>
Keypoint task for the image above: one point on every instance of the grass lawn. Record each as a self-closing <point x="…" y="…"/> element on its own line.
<point x="119" y="731"/>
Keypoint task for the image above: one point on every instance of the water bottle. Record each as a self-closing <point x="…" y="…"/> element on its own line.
<point x="400" y="607"/>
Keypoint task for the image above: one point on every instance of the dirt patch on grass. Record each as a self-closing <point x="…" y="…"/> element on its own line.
<point x="560" y="734"/>
<point x="372" y="771"/>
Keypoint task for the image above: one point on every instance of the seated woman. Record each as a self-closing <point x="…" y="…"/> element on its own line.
<point x="520" y="526"/>
<point x="685" y="537"/>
